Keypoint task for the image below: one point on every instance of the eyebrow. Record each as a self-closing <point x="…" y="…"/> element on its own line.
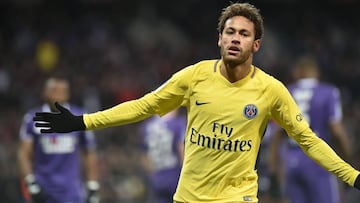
<point x="234" y="29"/>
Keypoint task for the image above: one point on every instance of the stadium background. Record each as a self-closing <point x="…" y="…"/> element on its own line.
<point x="113" y="51"/>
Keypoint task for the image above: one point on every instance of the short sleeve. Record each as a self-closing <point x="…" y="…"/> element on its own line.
<point x="27" y="129"/>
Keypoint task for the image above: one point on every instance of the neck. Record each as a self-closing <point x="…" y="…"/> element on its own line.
<point x="234" y="73"/>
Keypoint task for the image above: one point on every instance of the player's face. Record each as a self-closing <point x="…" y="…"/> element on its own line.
<point x="56" y="91"/>
<point x="237" y="41"/>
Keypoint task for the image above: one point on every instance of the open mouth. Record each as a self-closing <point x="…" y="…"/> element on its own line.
<point x="233" y="50"/>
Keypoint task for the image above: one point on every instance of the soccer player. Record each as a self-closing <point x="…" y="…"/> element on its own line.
<point x="229" y="102"/>
<point x="319" y="102"/>
<point x="50" y="164"/>
<point x="163" y="144"/>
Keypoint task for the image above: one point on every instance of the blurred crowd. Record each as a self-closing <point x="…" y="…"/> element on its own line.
<point x="114" y="51"/>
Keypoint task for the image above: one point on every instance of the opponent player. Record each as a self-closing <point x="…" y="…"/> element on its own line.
<point x="229" y="102"/>
<point x="305" y="181"/>
<point x="51" y="163"/>
<point x="270" y="189"/>
<point x="163" y="146"/>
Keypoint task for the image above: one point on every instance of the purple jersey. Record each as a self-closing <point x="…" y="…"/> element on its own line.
<point x="320" y="104"/>
<point x="57" y="163"/>
<point x="161" y="137"/>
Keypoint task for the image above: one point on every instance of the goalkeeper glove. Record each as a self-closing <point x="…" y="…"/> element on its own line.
<point x="92" y="192"/>
<point x="34" y="189"/>
<point x="357" y="182"/>
<point x="60" y="122"/>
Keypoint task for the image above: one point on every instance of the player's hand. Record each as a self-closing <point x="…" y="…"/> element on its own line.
<point x="92" y="192"/>
<point x="36" y="192"/>
<point x="60" y="122"/>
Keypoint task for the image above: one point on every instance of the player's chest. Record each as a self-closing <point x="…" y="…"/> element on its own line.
<point x="56" y="143"/>
<point x="245" y="102"/>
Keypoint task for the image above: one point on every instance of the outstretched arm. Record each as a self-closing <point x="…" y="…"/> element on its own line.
<point x="324" y="155"/>
<point x="164" y="99"/>
<point x="287" y="114"/>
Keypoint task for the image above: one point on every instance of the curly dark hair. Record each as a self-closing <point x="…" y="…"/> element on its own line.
<point x="247" y="10"/>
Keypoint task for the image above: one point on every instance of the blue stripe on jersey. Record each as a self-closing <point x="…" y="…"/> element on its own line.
<point x="215" y="65"/>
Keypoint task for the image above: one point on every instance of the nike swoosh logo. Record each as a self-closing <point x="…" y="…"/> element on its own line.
<point x="201" y="103"/>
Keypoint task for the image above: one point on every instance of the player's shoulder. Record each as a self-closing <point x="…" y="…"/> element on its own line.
<point x="260" y="73"/>
<point x="76" y="109"/>
<point x="329" y="89"/>
<point x="206" y="65"/>
<point x="32" y="111"/>
<point x="319" y="86"/>
<point x="265" y="79"/>
<point x="198" y="71"/>
<point x="207" y="62"/>
<point x="327" y="85"/>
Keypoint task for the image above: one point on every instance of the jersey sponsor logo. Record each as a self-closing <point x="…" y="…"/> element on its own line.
<point x="250" y="111"/>
<point x="219" y="128"/>
<point x="61" y="144"/>
<point x="218" y="143"/>
<point x="200" y="103"/>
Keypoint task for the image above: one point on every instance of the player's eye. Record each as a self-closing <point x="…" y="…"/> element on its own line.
<point x="229" y="31"/>
<point x="244" y="33"/>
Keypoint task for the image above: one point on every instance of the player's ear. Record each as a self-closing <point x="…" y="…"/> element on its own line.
<point x="256" y="45"/>
<point x="219" y="40"/>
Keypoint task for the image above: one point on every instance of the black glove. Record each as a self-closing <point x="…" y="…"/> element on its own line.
<point x="36" y="192"/>
<point x="92" y="192"/>
<point x="357" y="182"/>
<point x="61" y="122"/>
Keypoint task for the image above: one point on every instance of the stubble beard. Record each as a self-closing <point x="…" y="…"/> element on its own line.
<point x="232" y="61"/>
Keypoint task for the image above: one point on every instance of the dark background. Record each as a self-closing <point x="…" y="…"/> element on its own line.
<point x="113" y="51"/>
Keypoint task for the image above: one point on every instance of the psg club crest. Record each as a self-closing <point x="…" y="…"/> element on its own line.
<point x="250" y="111"/>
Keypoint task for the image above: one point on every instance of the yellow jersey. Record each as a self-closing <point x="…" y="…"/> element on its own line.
<point x="226" y="122"/>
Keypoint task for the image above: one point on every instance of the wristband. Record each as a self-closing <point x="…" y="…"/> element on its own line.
<point x="30" y="178"/>
<point x="92" y="185"/>
<point x="32" y="186"/>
